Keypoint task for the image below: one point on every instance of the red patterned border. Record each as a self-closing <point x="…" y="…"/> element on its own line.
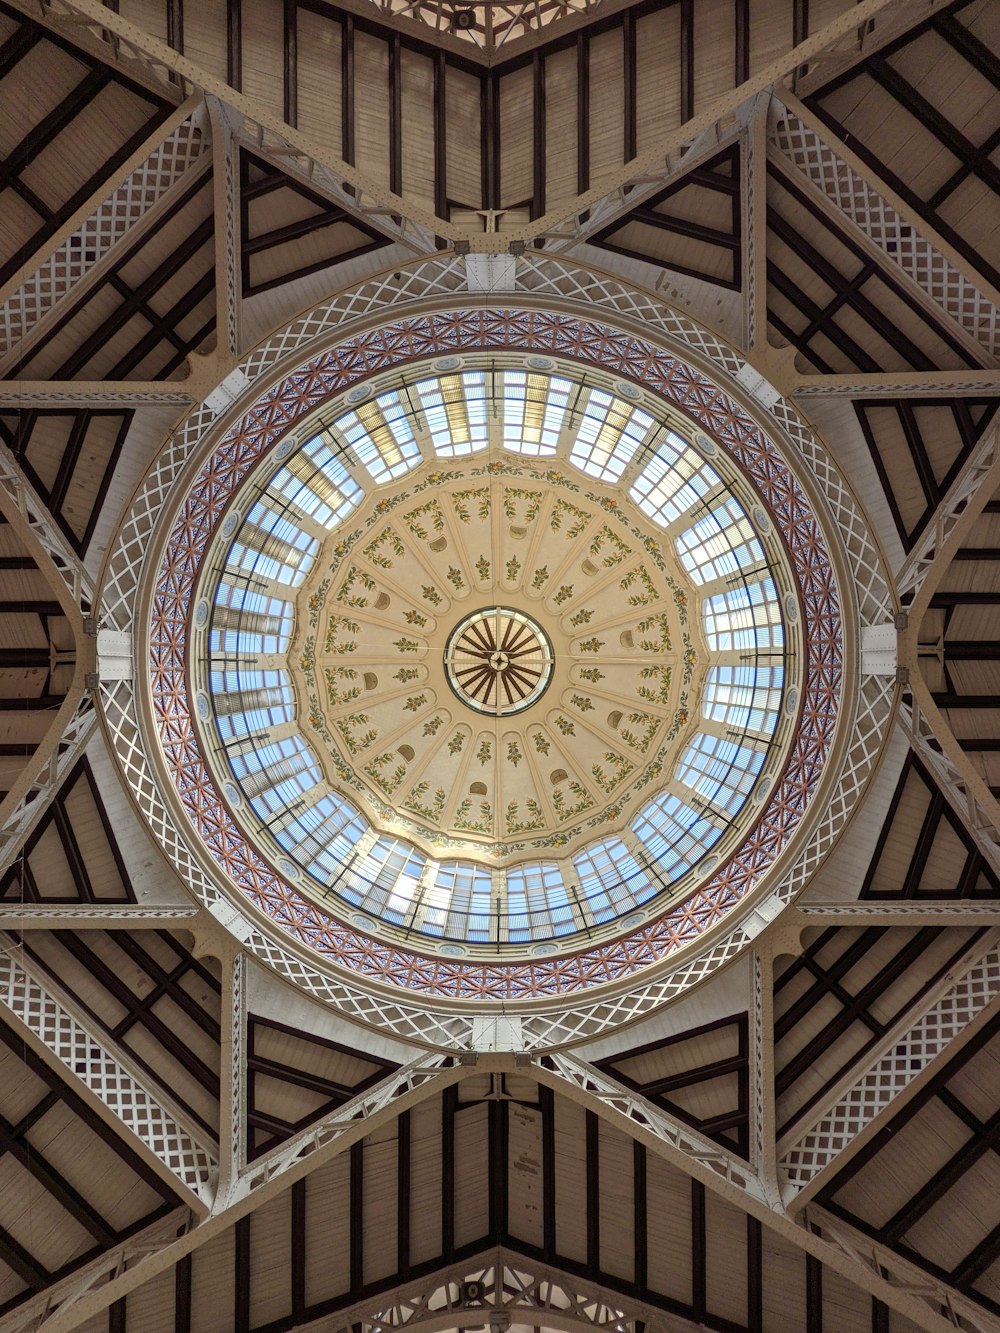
<point x="274" y="413"/>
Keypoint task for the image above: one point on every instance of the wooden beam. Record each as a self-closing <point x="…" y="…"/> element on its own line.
<point x="630" y="85"/>
<point x="538" y="139"/>
<point x="347" y="89"/>
<point x="234" y="44"/>
<point x="687" y="60"/>
<point x="395" y="115"/>
<point x="290" y="63"/>
<point x="440" y="103"/>
<point x="582" y="112"/>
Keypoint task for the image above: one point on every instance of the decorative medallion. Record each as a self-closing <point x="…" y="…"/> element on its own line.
<point x="498" y="661"/>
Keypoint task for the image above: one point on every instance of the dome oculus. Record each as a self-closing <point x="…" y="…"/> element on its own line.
<point x="498" y="661"/>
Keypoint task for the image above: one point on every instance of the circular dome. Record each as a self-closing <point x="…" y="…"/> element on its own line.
<point x="333" y="875"/>
<point x="508" y="702"/>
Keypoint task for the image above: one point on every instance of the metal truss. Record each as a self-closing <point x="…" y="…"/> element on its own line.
<point x="64" y="1037"/>
<point x="46" y="770"/>
<point x="703" y="134"/>
<point x="699" y="1156"/>
<point x="407" y="221"/>
<point x="256" y="1185"/>
<point x="228" y="302"/>
<point x="898" y="384"/>
<point x="92" y="393"/>
<point x="885" y="1276"/>
<point x="753" y="208"/>
<point x="932" y="554"/>
<point x="873" y="912"/>
<point x="26" y="512"/>
<point x="80" y="251"/>
<point x="100" y="916"/>
<point x="900" y="235"/>
<point x="962" y="787"/>
<point x="513" y="1289"/>
<point x="823" y="1142"/>
<point x="61" y="1298"/>
<point x="942" y="1307"/>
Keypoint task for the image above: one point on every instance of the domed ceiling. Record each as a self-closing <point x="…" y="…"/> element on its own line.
<point x="496" y="651"/>
<point x="496" y="654"/>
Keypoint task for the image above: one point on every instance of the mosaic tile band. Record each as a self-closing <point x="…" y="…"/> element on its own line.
<point x="271" y="416"/>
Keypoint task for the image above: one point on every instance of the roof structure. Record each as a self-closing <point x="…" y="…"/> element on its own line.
<point x="767" y="1101"/>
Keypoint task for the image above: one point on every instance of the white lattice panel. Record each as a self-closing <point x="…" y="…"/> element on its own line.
<point x="86" y="1058"/>
<point x="894" y="236"/>
<point x="105" y="227"/>
<point x="894" y="1071"/>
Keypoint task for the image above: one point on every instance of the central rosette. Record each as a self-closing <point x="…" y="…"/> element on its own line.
<point x="497" y="660"/>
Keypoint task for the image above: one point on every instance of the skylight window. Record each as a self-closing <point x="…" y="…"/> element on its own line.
<point x="721" y="543"/>
<point x="721" y="770"/>
<point x="455" y="411"/>
<point x="744" y="698"/>
<point x="744" y="618"/>
<point x="673" y="481"/>
<point x="381" y="435"/>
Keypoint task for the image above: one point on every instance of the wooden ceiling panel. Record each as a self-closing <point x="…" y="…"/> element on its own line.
<point x="149" y="310"/>
<point x="701" y="1076"/>
<point x="918" y="448"/>
<point x="77" y="121"/>
<point x="840" y="998"/>
<point x="70" y="457"/>
<point x="288" y="230"/>
<point x="76" y="824"/>
<point x="927" y="104"/>
<point x="923" y="850"/>
<point x="295" y="1078"/>
<point x="853" y="311"/>
<point x="69" y="1188"/>
<point x="130" y="985"/>
<point x="693" y="227"/>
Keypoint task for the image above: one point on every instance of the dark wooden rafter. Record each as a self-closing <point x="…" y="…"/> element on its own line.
<point x="234" y="44"/>
<point x="825" y="977"/>
<point x="941" y="834"/>
<point x="265" y="189"/>
<point x="294" y="1073"/>
<point x="538" y="141"/>
<point x="714" y="185"/>
<point x="675" y="1090"/>
<point x="858" y="295"/>
<point x="20" y="884"/>
<point x="290" y="72"/>
<point x="973" y="1137"/>
<point x="923" y="425"/>
<point x="96" y="433"/>
<point x="972" y="159"/>
<point x="21" y="1140"/>
<point x="77" y="107"/>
